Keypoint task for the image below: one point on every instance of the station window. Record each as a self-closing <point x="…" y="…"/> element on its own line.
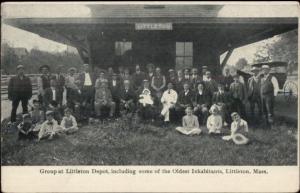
<point x="122" y="47"/>
<point x="184" y="54"/>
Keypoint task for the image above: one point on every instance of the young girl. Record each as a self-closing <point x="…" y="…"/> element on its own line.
<point x="190" y="124"/>
<point x="26" y="128"/>
<point x="37" y="115"/>
<point x="49" y="128"/>
<point x="214" y="121"/>
<point x="69" y="123"/>
<point x="239" y="128"/>
<point x="145" y="98"/>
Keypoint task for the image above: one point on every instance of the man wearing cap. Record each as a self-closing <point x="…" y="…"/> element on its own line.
<point x="87" y="81"/>
<point x="138" y="77"/>
<point x="254" y="84"/>
<point x="19" y="89"/>
<point x="43" y="81"/>
<point x="268" y="91"/>
<point x="103" y="98"/>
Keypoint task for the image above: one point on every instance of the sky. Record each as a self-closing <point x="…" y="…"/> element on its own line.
<point x="20" y="38"/>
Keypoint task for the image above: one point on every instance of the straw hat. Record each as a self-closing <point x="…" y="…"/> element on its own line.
<point x="240" y="139"/>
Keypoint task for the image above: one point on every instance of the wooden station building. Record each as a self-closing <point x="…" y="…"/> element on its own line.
<point x="169" y="36"/>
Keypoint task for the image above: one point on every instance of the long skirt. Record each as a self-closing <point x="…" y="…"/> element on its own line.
<point x="188" y="131"/>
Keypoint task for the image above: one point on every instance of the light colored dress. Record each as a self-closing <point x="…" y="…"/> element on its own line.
<point x="190" y="125"/>
<point x="237" y="130"/>
<point x="145" y="98"/>
<point x="214" y="124"/>
<point x="168" y="99"/>
<point x="69" y="124"/>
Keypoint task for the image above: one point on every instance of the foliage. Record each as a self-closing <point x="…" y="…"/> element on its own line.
<point x="285" y="49"/>
<point x="37" y="58"/>
<point x="241" y="63"/>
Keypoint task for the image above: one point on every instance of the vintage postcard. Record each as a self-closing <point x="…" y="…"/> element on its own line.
<point x="149" y="97"/>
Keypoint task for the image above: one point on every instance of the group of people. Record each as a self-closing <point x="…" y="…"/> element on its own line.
<point x="151" y="94"/>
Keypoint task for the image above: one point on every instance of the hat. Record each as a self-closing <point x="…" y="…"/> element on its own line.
<point x="234" y="114"/>
<point x="49" y="113"/>
<point x="254" y="68"/>
<point x="44" y="66"/>
<point x="72" y="69"/>
<point x="20" y="66"/>
<point x="239" y="139"/>
<point x="171" y="70"/>
<point x="207" y="72"/>
<point x="26" y="116"/>
<point x="146" y="80"/>
<point x="204" y="66"/>
<point x="265" y="67"/>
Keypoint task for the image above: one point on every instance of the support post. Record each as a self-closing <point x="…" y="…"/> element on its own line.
<point x="227" y="57"/>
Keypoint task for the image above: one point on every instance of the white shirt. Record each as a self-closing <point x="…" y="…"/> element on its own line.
<point x="200" y="92"/>
<point x="114" y="82"/>
<point x="274" y="82"/>
<point x="169" y="97"/>
<point x="87" y="79"/>
<point x="53" y="94"/>
<point x="242" y="125"/>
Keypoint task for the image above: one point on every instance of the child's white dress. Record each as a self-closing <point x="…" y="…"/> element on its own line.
<point x="214" y="124"/>
<point x="237" y="128"/>
<point x="145" y="98"/>
<point x="190" y="125"/>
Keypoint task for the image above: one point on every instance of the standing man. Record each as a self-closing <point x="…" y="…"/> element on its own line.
<point x="254" y="84"/>
<point x="238" y="93"/>
<point x="158" y="83"/>
<point x="87" y="89"/>
<point x="43" y="81"/>
<point x="210" y="84"/>
<point x="169" y="100"/>
<point x="268" y="91"/>
<point x="227" y="79"/>
<point x="138" y="77"/>
<point x="19" y="89"/>
<point x="195" y="79"/>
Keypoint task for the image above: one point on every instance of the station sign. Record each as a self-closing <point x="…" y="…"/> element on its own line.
<point x="153" y="26"/>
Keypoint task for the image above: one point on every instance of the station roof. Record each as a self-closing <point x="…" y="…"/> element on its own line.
<point x="233" y="31"/>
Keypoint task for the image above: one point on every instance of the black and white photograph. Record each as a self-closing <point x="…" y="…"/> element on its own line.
<point x="148" y="84"/>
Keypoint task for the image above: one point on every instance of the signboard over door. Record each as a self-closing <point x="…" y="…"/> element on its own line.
<point x="153" y="26"/>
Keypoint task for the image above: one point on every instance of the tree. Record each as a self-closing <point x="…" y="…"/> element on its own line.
<point x="284" y="49"/>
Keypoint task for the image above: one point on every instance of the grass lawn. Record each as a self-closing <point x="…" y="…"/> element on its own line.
<point x="117" y="143"/>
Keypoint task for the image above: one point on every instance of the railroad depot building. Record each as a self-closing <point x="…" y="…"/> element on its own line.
<point x="169" y="36"/>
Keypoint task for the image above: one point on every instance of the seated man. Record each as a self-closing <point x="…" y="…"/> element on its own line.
<point x="103" y="99"/>
<point x="168" y="99"/>
<point x="185" y="100"/>
<point x="222" y="99"/>
<point x="145" y="103"/>
<point x="127" y="98"/>
<point x="202" y="102"/>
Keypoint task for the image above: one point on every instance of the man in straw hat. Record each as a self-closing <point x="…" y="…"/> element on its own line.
<point x="19" y="89"/>
<point x="268" y="91"/>
<point x="254" y="84"/>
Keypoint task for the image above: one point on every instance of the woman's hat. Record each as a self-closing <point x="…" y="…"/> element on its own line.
<point x="240" y="139"/>
<point x="265" y="67"/>
<point x="234" y="114"/>
<point x="254" y="68"/>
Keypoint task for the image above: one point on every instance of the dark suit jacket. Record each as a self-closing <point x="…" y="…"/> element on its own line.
<point x="130" y="95"/>
<point x="186" y="99"/>
<point x="115" y="89"/>
<point x="205" y="98"/>
<point x="48" y="96"/>
<point x="19" y="88"/>
<point x="221" y="98"/>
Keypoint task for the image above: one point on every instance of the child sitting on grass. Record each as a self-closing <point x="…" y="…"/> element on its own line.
<point x="26" y="128"/>
<point x="239" y="128"/>
<point x="69" y="123"/>
<point x="214" y="122"/>
<point x="49" y="128"/>
<point x="37" y="115"/>
<point x="190" y="123"/>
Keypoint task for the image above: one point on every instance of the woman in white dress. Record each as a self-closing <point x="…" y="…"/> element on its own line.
<point x="190" y="123"/>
